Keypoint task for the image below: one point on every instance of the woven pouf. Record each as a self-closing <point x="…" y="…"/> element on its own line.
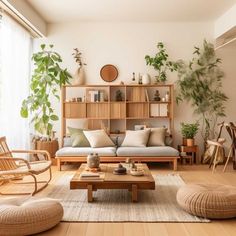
<point x="26" y="216"/>
<point x="211" y="201"/>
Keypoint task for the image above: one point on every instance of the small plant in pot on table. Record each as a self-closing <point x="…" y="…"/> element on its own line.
<point x="189" y="131"/>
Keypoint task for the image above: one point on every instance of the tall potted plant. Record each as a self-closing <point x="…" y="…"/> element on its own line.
<point x="189" y="131"/>
<point x="200" y="84"/>
<point x="161" y="63"/>
<point x="45" y="83"/>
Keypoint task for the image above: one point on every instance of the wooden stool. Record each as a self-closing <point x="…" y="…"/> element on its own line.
<point x="191" y="153"/>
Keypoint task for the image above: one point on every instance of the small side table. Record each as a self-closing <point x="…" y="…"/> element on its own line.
<point x="191" y="153"/>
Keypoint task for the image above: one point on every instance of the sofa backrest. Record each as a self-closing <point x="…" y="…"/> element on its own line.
<point x="117" y="140"/>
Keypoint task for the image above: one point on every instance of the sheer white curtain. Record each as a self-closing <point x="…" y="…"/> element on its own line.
<point x="15" y="49"/>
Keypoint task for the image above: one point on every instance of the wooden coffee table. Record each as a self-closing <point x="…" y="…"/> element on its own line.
<point x="111" y="181"/>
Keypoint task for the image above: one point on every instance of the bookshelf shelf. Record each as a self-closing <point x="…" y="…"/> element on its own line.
<point x="137" y="106"/>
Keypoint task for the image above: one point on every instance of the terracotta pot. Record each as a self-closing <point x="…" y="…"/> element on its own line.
<point x="184" y="142"/>
<point x="50" y="146"/>
<point x="190" y="142"/>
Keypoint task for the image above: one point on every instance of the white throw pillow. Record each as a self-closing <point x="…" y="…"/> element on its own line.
<point x="136" y="138"/>
<point x="157" y="137"/>
<point x="98" y="138"/>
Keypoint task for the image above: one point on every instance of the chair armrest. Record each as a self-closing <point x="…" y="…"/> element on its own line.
<point x="43" y="152"/>
<point x="215" y="143"/>
<point x="16" y="159"/>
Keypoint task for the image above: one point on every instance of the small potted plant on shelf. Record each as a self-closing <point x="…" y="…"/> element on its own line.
<point x="47" y="79"/>
<point x="161" y="63"/>
<point x="189" y="131"/>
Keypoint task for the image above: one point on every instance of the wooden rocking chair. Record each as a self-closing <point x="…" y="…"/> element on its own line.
<point x="12" y="169"/>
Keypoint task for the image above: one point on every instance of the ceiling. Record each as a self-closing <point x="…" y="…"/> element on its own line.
<point x="56" y="11"/>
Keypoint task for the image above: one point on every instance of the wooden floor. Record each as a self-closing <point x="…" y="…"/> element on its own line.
<point x="190" y="174"/>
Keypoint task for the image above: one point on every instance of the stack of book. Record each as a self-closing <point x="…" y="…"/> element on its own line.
<point x="91" y="176"/>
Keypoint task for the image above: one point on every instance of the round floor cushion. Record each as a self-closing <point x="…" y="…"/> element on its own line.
<point x="26" y="216"/>
<point x="211" y="201"/>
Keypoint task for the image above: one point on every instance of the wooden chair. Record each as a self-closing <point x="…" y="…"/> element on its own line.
<point x="219" y="143"/>
<point x="213" y="156"/>
<point x="231" y="128"/>
<point x="12" y="169"/>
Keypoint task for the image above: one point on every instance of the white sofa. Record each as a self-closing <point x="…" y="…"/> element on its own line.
<point x="117" y="154"/>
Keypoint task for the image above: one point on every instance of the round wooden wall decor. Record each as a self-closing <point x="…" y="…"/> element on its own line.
<point x="109" y="73"/>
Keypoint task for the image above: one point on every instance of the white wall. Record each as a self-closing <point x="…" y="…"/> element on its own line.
<point x="225" y="22"/>
<point x="125" y="45"/>
<point x="228" y="55"/>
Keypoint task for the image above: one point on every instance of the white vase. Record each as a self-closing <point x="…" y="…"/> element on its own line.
<point x="146" y="79"/>
<point x="79" y="77"/>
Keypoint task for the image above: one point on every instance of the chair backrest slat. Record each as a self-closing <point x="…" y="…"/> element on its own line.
<point x="5" y="152"/>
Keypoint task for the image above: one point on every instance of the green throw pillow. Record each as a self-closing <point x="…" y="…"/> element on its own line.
<point x="78" y="137"/>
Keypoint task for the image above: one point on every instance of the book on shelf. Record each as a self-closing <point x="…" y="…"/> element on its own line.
<point x="159" y="110"/>
<point x="163" y="109"/>
<point x="154" y="110"/>
<point x="146" y="93"/>
<point x="96" y="96"/>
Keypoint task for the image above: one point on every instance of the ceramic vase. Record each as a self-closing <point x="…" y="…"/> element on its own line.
<point x="93" y="160"/>
<point x="146" y="79"/>
<point x="79" y="77"/>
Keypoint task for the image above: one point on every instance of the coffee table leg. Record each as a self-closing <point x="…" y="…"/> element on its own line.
<point x="90" y="193"/>
<point x="134" y="193"/>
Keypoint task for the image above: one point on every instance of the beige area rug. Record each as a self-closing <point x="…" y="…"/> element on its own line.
<point x="115" y="205"/>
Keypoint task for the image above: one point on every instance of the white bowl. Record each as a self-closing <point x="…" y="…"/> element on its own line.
<point x="137" y="172"/>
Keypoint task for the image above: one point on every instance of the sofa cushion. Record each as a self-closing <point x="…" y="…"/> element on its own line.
<point x="67" y="142"/>
<point x="136" y="138"/>
<point x="98" y="138"/>
<point x="157" y="137"/>
<point x="163" y="151"/>
<point x="84" y="151"/>
<point x="78" y="137"/>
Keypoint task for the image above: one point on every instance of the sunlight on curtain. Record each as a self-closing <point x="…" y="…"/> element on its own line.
<point x="15" y="48"/>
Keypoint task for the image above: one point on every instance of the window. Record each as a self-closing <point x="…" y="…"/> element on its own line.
<point x="15" y="54"/>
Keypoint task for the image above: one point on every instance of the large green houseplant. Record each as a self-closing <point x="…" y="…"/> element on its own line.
<point x="161" y="63"/>
<point x="45" y="83"/>
<point x="200" y="83"/>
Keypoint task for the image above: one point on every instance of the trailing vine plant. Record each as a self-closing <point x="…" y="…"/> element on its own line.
<point x="200" y="83"/>
<point x="46" y="81"/>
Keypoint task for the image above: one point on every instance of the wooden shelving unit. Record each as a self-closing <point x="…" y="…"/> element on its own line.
<point x="137" y="106"/>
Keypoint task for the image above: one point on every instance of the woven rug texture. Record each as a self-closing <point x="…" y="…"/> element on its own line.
<point x="157" y="205"/>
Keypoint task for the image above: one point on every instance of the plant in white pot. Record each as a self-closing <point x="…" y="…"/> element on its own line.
<point x="79" y="77"/>
<point x="46" y="81"/>
<point x="189" y="131"/>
